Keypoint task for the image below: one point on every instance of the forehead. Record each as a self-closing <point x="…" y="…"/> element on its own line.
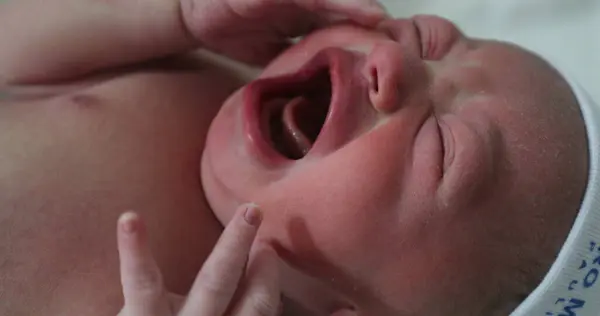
<point x="499" y="77"/>
<point x="507" y="95"/>
<point x="500" y="64"/>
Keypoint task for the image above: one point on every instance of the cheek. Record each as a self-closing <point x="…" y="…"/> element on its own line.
<point x="340" y="209"/>
<point x="227" y="175"/>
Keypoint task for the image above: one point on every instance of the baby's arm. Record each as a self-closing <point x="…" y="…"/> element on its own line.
<point x="45" y="41"/>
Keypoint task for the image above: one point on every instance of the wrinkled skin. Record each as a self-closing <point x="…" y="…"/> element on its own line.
<point x="452" y="193"/>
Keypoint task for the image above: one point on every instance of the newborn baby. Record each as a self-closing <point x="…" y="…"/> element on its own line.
<point x="404" y="171"/>
<point x="411" y="172"/>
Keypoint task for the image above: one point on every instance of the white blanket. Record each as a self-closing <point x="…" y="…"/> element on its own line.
<point x="566" y="31"/>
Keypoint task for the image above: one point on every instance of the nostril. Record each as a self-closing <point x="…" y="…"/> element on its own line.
<point x="382" y="72"/>
<point x="377" y="94"/>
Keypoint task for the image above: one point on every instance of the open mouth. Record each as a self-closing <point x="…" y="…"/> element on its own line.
<point x="292" y="114"/>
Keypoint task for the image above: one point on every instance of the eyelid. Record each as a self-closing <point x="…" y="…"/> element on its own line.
<point x="447" y="143"/>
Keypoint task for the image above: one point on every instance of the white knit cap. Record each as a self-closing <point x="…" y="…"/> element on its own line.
<point x="572" y="286"/>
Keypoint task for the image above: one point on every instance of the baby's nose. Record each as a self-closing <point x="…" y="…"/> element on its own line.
<point x="393" y="73"/>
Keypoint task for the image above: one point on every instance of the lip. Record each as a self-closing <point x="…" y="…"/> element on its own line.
<point x="337" y="127"/>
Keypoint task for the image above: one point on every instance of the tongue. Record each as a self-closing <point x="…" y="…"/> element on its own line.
<point x="292" y="132"/>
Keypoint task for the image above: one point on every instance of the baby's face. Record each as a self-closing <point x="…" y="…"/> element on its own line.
<point x="428" y="153"/>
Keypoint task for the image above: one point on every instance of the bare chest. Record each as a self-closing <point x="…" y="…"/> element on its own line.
<point x="72" y="158"/>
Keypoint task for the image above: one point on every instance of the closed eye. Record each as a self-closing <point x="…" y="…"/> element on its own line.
<point x="442" y="146"/>
<point x="447" y="143"/>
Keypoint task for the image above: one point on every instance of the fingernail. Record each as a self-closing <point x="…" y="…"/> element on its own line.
<point x="129" y="222"/>
<point x="378" y="8"/>
<point x="370" y="5"/>
<point x="253" y="215"/>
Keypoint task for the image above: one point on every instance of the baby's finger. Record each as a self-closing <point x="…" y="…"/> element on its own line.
<point x="219" y="278"/>
<point x="261" y="296"/>
<point x="366" y="12"/>
<point x="141" y="279"/>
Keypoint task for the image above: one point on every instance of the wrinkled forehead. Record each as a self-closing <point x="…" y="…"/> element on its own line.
<point x="508" y="63"/>
<point x="522" y="85"/>
<point x="534" y="109"/>
<point x="528" y="96"/>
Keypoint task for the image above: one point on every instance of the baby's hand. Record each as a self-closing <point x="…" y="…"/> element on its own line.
<point x="255" y="31"/>
<point x="213" y="291"/>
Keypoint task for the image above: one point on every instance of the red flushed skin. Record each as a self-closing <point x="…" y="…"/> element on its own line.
<point x="419" y="180"/>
